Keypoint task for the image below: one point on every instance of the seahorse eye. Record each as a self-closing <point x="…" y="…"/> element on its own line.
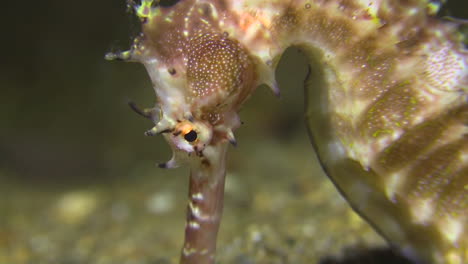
<point x="191" y="136"/>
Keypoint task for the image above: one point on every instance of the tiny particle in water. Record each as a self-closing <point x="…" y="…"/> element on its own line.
<point x="119" y="211"/>
<point x="74" y="207"/>
<point x="160" y="203"/>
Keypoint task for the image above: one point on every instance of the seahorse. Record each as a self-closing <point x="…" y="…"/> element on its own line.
<point x="386" y="106"/>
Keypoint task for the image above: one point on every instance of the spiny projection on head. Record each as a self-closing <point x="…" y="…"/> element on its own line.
<point x="386" y="109"/>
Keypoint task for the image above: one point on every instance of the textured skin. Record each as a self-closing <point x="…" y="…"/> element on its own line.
<point x="388" y="116"/>
<point x="217" y="70"/>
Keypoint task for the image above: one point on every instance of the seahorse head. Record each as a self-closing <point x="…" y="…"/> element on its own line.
<point x="201" y="76"/>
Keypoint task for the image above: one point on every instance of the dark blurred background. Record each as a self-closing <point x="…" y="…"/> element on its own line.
<point x="63" y="113"/>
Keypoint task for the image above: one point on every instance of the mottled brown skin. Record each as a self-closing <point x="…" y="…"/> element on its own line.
<point x="220" y="73"/>
<point x="428" y="154"/>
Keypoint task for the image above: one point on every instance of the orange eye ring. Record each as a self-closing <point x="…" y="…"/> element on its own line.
<point x="188" y="132"/>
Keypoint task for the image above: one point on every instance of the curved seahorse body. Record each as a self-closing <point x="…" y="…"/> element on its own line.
<point x="386" y="106"/>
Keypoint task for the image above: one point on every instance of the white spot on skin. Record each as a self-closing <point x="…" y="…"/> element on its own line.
<point x="422" y="211"/>
<point x="463" y="157"/>
<point x="214" y="12"/>
<point x="197" y="213"/>
<point x="412" y="11"/>
<point x="392" y="184"/>
<point x="197" y="196"/>
<point x="194" y="225"/>
<point x="451" y="228"/>
<point x="189" y="251"/>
